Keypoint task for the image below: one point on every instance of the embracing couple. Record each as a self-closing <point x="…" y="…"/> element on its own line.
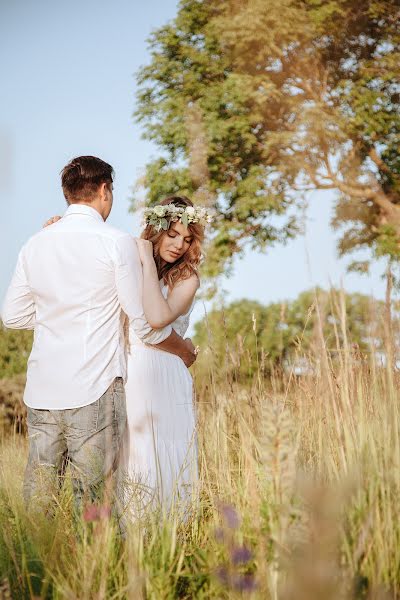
<point x="108" y="383"/>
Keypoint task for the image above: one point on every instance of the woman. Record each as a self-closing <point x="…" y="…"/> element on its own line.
<point x="160" y="449"/>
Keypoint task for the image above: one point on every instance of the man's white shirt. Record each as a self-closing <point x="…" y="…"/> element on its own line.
<point x="73" y="282"/>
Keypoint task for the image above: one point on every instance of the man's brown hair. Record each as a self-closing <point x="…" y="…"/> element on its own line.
<point x="82" y="177"/>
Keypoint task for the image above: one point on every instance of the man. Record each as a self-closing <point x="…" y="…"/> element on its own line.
<point x="74" y="283"/>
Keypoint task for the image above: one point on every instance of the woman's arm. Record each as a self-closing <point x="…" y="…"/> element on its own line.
<point x="158" y="310"/>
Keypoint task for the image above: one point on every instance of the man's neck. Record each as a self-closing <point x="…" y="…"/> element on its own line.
<point x="95" y="204"/>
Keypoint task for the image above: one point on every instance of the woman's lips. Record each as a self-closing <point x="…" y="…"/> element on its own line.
<point x="174" y="254"/>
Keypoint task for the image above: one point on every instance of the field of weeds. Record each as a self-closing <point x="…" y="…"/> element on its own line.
<point x="300" y="485"/>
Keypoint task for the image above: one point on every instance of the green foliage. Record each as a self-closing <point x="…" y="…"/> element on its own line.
<point x="254" y="103"/>
<point x="15" y="347"/>
<point x="247" y="336"/>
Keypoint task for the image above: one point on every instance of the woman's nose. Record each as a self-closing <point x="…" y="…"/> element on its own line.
<point x="178" y="242"/>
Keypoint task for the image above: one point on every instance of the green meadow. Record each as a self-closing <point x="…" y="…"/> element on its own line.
<point x="300" y="480"/>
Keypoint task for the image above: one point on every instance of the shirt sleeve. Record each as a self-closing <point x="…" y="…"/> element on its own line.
<point x="19" y="311"/>
<point x="129" y="282"/>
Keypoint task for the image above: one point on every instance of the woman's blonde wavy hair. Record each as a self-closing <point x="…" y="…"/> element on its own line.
<point x="187" y="264"/>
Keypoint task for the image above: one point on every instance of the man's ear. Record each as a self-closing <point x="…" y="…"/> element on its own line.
<point x="103" y="191"/>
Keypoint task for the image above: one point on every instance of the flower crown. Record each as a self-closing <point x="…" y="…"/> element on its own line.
<point x="161" y="215"/>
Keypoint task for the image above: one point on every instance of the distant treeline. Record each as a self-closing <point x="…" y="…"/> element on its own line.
<point x="245" y="336"/>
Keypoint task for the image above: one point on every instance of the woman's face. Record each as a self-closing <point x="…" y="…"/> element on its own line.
<point x="175" y="242"/>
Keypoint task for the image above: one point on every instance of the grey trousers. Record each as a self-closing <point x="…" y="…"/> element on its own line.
<point x="91" y="436"/>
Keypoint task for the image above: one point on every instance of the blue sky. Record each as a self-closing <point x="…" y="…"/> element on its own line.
<point x="68" y="89"/>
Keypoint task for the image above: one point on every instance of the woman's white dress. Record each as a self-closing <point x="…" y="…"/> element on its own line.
<point x="160" y="445"/>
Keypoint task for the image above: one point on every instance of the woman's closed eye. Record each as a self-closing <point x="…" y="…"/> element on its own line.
<point x="174" y="235"/>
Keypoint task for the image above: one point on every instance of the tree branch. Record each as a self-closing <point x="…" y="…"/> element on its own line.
<point x="377" y="195"/>
<point x="382" y="166"/>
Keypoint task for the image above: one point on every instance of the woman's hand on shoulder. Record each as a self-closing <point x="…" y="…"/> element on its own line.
<point x="51" y="221"/>
<point x="145" y="248"/>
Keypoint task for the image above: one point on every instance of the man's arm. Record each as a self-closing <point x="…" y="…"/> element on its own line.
<point x="19" y="311"/>
<point x="179" y="346"/>
<point x="129" y="282"/>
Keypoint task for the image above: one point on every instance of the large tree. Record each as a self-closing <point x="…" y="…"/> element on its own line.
<point x="254" y="103"/>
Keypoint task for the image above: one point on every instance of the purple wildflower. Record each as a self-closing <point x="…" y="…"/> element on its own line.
<point x="245" y="583"/>
<point x="241" y="555"/>
<point x="230" y="515"/>
<point x="223" y="575"/>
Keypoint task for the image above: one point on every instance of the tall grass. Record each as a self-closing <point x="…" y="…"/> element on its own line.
<point x="300" y="481"/>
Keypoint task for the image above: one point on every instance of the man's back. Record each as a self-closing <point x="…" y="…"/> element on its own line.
<point x="71" y="269"/>
<point x="72" y="284"/>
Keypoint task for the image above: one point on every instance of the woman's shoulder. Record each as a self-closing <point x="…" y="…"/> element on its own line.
<point x="191" y="282"/>
<point x="187" y="287"/>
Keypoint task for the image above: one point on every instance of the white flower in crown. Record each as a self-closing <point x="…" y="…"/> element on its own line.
<point x="160" y="210"/>
<point x="161" y="215"/>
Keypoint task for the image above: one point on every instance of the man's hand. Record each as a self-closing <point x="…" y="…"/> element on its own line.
<point x="190" y="355"/>
<point x="180" y="347"/>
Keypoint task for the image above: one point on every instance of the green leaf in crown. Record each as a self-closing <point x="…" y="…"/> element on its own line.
<point x="161" y="216"/>
<point x="184" y="219"/>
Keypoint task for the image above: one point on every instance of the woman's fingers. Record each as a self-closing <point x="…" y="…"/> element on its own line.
<point x="52" y="220"/>
<point x="145" y="248"/>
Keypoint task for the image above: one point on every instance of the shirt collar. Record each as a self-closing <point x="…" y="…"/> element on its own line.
<point x="83" y="209"/>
